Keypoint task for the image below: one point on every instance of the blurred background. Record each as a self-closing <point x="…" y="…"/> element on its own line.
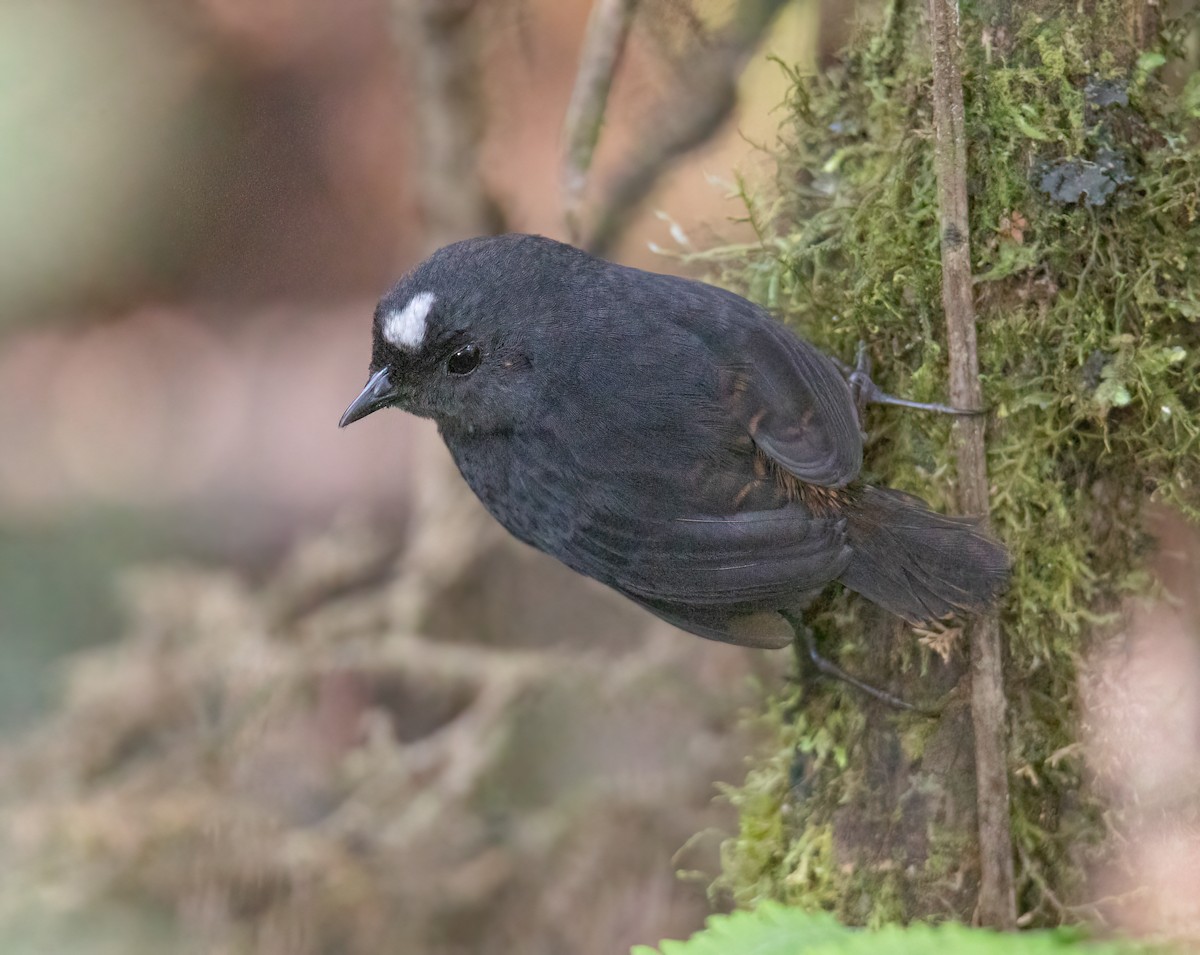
<point x="201" y="202"/>
<point x="269" y="686"/>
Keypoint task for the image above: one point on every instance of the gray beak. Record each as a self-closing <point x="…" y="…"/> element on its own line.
<point x="378" y="392"/>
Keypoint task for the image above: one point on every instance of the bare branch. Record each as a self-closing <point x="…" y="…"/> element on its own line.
<point x="442" y="42"/>
<point x="607" y="30"/>
<point x="997" y="900"/>
<point x="709" y="94"/>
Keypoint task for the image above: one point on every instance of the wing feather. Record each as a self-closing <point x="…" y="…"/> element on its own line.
<point x="749" y="557"/>
<point x="799" y="410"/>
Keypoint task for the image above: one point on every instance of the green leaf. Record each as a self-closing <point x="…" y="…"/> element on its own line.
<point x="1028" y="129"/>
<point x="1112" y="394"/>
<point x="1191" y="95"/>
<point x="1150" y="61"/>
<point x="1186" y="309"/>
<point x="1011" y="259"/>
<point x="771" y="929"/>
<point x="1032" y="399"/>
<point x="774" y="929"/>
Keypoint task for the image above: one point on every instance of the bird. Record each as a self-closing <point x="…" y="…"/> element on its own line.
<point x="666" y="437"/>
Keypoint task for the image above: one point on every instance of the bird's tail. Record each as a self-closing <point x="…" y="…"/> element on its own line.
<point x="919" y="564"/>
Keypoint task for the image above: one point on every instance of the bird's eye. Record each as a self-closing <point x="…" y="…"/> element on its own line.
<point x="465" y="360"/>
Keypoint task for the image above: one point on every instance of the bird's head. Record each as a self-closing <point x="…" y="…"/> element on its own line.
<point x="456" y="339"/>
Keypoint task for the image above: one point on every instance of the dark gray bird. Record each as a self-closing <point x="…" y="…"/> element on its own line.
<point x="668" y="438"/>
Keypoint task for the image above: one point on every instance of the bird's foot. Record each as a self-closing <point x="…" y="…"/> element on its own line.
<point x="866" y="392"/>
<point x="805" y="640"/>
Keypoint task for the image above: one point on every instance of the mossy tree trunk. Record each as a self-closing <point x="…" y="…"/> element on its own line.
<point x="1083" y="183"/>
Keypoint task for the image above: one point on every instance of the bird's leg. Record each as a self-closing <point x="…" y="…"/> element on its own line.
<point x="804" y="641"/>
<point x="866" y="392"/>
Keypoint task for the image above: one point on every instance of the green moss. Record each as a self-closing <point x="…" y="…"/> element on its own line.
<point x="1089" y="343"/>
<point x="771" y="857"/>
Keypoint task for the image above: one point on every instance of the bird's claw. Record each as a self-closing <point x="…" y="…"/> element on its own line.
<point x="866" y="392"/>
<point x="830" y="669"/>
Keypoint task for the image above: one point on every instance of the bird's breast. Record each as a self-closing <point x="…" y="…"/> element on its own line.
<point x="523" y="484"/>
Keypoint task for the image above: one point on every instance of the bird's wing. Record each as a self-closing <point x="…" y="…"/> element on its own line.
<point x="796" y="406"/>
<point x="743" y="558"/>
<point x="723" y="578"/>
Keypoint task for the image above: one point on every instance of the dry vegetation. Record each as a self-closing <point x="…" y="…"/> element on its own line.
<point x="458" y="749"/>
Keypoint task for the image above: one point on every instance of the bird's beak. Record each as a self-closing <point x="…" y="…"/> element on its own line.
<point x="378" y="392"/>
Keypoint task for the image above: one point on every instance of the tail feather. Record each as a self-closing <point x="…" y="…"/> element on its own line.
<point x="920" y="565"/>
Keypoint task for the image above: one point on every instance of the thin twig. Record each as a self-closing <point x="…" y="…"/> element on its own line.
<point x="997" y="898"/>
<point x="607" y="31"/>
<point x="708" y="96"/>
<point x="1048" y="895"/>
<point x="442" y="39"/>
